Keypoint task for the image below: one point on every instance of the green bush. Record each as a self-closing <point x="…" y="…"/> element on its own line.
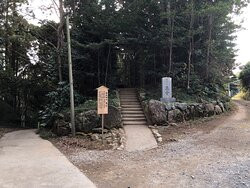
<point x="58" y="101"/>
<point x="87" y="105"/>
<point x="245" y="77"/>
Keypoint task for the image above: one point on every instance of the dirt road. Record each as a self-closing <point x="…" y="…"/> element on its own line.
<point x="218" y="158"/>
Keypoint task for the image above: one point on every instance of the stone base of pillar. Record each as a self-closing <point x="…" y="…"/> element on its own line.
<point x="168" y="100"/>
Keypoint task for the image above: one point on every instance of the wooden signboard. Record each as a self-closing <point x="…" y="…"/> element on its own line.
<point x="102" y="98"/>
<point x="102" y="104"/>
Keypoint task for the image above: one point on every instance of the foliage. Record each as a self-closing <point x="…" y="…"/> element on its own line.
<point x="87" y="105"/>
<point x="132" y="39"/>
<point x="128" y="43"/>
<point x="58" y="101"/>
<point x="92" y="104"/>
<point x="245" y="77"/>
<point x="245" y="82"/>
<point x="8" y="117"/>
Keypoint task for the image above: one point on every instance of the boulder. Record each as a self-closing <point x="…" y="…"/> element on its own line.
<point x="157" y="112"/>
<point x="198" y="110"/>
<point x="227" y="106"/>
<point x="175" y="116"/>
<point x="145" y="107"/>
<point x="209" y="109"/>
<point x="169" y="106"/>
<point x="87" y="121"/>
<point x="217" y="109"/>
<point x="113" y="119"/>
<point x="214" y="102"/>
<point x="181" y="106"/>
<point x="178" y="115"/>
<point x="190" y="113"/>
<point x="142" y="96"/>
<point x="171" y="116"/>
<point x="221" y="105"/>
<point x="61" y="127"/>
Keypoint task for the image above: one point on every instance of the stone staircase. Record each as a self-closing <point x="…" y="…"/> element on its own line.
<point x="132" y="112"/>
<point x="138" y="135"/>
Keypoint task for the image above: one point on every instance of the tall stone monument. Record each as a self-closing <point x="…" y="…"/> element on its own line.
<point x="167" y="90"/>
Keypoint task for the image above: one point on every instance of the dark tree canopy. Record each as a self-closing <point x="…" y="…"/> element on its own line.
<point x="118" y="43"/>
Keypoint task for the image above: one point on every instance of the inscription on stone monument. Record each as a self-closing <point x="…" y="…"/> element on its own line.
<point x="167" y="90"/>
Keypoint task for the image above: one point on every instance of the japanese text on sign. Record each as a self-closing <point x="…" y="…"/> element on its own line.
<point x="102" y="97"/>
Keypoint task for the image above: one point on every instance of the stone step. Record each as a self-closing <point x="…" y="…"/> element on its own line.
<point x="127" y="95"/>
<point x="129" y="100"/>
<point x="127" y="91"/>
<point x="130" y="88"/>
<point x="134" y="123"/>
<point x="129" y="103"/>
<point x="132" y="109"/>
<point x="131" y="106"/>
<point x="133" y="115"/>
<point x="132" y="112"/>
<point x="134" y="119"/>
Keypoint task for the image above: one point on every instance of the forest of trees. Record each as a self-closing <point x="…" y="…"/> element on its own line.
<point x="117" y="43"/>
<point x="245" y="82"/>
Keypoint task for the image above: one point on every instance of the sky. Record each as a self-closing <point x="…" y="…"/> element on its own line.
<point x="42" y="10"/>
<point x="242" y="41"/>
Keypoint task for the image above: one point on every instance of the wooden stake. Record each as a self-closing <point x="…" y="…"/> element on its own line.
<point x="102" y="128"/>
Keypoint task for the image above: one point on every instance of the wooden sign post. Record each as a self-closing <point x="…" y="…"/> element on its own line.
<point x="102" y="103"/>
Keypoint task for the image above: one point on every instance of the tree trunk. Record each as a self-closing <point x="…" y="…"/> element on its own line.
<point x="98" y="69"/>
<point x="210" y="22"/>
<point x="171" y="46"/>
<point x="107" y="65"/>
<point x="155" y="81"/>
<point x="7" y="34"/>
<point x="191" y="38"/>
<point x="171" y="25"/>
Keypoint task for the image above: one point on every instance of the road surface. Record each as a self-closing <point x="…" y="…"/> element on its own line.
<point x="27" y="161"/>
<point x="218" y="158"/>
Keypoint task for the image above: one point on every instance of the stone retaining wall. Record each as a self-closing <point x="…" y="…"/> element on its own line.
<point x="87" y="121"/>
<point x="159" y="113"/>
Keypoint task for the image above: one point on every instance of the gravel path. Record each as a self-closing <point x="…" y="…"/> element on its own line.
<point x="220" y="158"/>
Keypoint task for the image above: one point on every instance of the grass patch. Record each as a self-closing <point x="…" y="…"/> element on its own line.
<point x="245" y="95"/>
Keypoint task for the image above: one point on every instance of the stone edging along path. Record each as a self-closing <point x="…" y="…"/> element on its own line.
<point x="26" y="160"/>
<point x="159" y="113"/>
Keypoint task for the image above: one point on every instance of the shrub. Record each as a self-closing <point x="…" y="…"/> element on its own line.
<point x="58" y="101"/>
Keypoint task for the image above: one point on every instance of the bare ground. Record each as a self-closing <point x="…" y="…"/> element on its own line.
<point x="69" y="145"/>
<point x="212" y="153"/>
